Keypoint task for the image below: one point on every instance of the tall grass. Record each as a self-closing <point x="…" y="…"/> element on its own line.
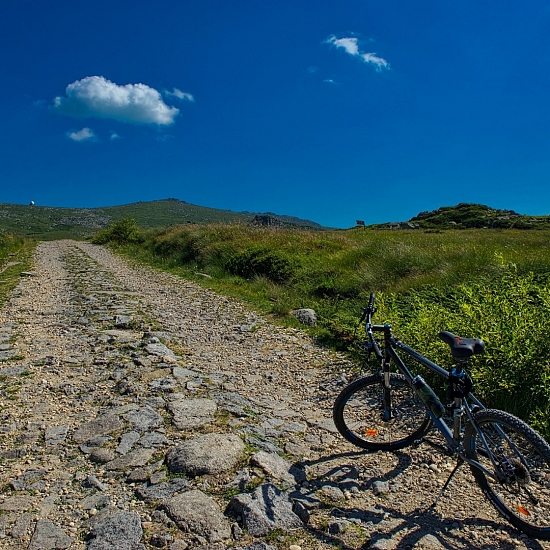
<point x="489" y="284"/>
<point x="15" y="257"/>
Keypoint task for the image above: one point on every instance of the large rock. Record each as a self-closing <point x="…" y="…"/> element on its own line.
<point x="102" y="425"/>
<point x="264" y="510"/>
<point x="144" y="419"/>
<point x="195" y="512"/>
<point x="118" y="531"/>
<point x="306" y="316"/>
<point x="206" y="454"/>
<point x="191" y="413"/>
<point x="48" y="536"/>
<point x="278" y="467"/>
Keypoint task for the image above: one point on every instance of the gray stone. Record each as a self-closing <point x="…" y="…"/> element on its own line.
<point x="92" y="481"/>
<point x="160" y="350"/>
<point x="95" y="501"/>
<point x="48" y="536"/>
<point x="93" y="443"/>
<point x="27" y="479"/>
<point x="165" y="384"/>
<point x="154" y="439"/>
<point x="195" y="512"/>
<point x="306" y="316"/>
<point x="56" y="435"/>
<point x="184" y="374"/>
<point x="123" y="321"/>
<point x="139" y="457"/>
<point x="127" y="441"/>
<point x="162" y="491"/>
<point x="17" y="503"/>
<point x="14" y="371"/>
<point x="380" y="487"/>
<point x="144" y="419"/>
<point x="102" y="425"/>
<point x="332" y="493"/>
<point x="21" y="526"/>
<point x="278" y="467"/>
<point x="264" y="510"/>
<point x="206" y="454"/>
<point x="191" y="413"/>
<point x="118" y="531"/>
<point x="102" y="456"/>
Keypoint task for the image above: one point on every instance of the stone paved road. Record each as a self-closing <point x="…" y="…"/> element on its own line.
<point x="141" y="411"/>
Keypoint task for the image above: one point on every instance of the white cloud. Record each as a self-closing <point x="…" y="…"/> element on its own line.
<point x="379" y="62"/>
<point x="351" y="46"/>
<point x="180" y="95"/>
<point x="82" y="135"/>
<point x="95" y="96"/>
<point x="114" y="136"/>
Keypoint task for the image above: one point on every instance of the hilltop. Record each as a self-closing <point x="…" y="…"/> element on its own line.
<point x="469" y="216"/>
<point x="50" y="223"/>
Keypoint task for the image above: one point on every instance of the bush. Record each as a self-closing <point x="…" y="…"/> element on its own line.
<point x="260" y="262"/>
<point x="120" y="232"/>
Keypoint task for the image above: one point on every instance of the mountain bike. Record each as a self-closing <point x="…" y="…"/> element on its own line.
<point x="388" y="410"/>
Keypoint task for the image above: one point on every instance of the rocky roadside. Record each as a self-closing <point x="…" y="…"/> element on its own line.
<point x="141" y="411"/>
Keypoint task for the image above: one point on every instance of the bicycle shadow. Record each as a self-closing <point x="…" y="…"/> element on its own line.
<point x="403" y="462"/>
<point x="420" y="527"/>
<point x="410" y="528"/>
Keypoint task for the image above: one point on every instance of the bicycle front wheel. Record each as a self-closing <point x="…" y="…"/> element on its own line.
<point x="518" y="459"/>
<point x="358" y="414"/>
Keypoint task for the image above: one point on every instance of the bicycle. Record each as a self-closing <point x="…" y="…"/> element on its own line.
<point x="387" y="411"/>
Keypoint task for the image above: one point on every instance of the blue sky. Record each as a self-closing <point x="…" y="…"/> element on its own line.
<point x="327" y="110"/>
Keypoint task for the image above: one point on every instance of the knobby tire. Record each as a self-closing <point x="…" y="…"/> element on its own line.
<point x="358" y="414"/>
<point x="521" y="461"/>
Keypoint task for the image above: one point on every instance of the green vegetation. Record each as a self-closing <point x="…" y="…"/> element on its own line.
<point x="489" y="284"/>
<point x="15" y="257"/>
<point x="468" y="216"/>
<point x="50" y="223"/>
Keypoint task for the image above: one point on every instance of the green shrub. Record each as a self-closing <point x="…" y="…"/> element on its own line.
<point x="120" y="232"/>
<point x="260" y="262"/>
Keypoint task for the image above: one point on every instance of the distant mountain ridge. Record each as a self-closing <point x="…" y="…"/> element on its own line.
<point x="470" y="216"/>
<point x="51" y="222"/>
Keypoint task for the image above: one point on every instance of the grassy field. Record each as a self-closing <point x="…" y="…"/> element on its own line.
<point x="15" y="257"/>
<point x="492" y="284"/>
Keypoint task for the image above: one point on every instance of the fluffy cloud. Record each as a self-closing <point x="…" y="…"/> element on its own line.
<point x="351" y="46"/>
<point x="179" y="94"/>
<point x="82" y="135"/>
<point x="95" y="96"/>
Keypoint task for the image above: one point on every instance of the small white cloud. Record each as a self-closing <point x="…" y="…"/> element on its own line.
<point x="82" y="135"/>
<point x="350" y="45"/>
<point x="95" y="96"/>
<point x="114" y="136"/>
<point x="329" y="81"/>
<point x="185" y="96"/>
<point x="379" y="62"/>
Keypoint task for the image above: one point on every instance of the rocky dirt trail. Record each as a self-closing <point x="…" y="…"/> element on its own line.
<point x="141" y="411"/>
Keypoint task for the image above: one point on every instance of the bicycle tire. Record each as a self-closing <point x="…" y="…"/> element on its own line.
<point x="522" y="459"/>
<point x="358" y="414"/>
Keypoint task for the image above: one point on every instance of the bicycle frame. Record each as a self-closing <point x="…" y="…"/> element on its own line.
<point x="460" y="404"/>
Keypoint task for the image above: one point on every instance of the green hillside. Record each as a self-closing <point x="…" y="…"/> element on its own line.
<point x="470" y="216"/>
<point x="50" y="223"/>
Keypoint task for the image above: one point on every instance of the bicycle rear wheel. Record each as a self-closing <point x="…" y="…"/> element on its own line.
<point x="358" y="414"/>
<point x="519" y="459"/>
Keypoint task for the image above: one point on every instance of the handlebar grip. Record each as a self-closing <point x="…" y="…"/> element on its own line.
<point x="371" y="302"/>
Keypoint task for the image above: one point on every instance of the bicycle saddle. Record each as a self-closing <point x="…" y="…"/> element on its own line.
<point x="461" y="348"/>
